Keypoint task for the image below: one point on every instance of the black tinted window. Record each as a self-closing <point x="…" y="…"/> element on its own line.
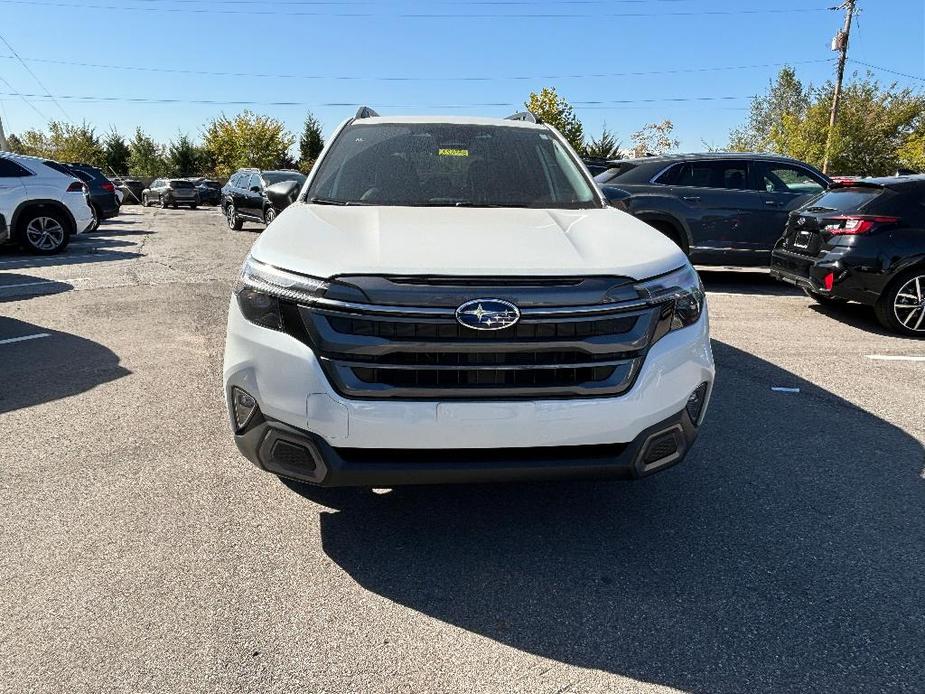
<point x="613" y="173"/>
<point x="181" y="184"/>
<point x="272" y="177"/>
<point x="10" y="169"/>
<point x="786" y="178"/>
<point x="731" y="175"/>
<point x="846" y="199"/>
<point x="447" y="164"/>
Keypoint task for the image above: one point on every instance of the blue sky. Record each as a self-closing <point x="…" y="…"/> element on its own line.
<point x="303" y="46"/>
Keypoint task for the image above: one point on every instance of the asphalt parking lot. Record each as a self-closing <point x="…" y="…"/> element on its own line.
<point x="141" y="553"/>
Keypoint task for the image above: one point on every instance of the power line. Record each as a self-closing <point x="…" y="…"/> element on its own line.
<point x="28" y="103"/>
<point x="34" y="76"/>
<point x="407" y="78"/>
<point x="216" y="11"/>
<point x="351" y="104"/>
<point x="883" y="69"/>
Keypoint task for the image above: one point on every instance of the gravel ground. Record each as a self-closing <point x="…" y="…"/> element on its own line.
<point x="141" y="553"/>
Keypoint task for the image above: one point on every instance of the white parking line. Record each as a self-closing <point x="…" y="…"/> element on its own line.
<point x="32" y="284"/>
<point x="894" y="357"/>
<point x="24" y="338"/>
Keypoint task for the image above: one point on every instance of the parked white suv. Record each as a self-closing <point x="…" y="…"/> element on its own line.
<point x="40" y="207"/>
<point x="452" y="299"/>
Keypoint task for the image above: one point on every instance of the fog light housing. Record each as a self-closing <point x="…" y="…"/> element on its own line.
<point x="695" y="403"/>
<point x="243" y="407"/>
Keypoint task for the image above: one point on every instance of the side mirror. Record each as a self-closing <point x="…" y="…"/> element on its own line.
<point x="255" y="189"/>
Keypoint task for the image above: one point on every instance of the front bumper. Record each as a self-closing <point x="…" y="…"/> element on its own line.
<point x="368" y="442"/>
<point x="299" y="454"/>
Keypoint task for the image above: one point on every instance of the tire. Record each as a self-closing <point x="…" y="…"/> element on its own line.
<point x="232" y="218"/>
<point x="44" y="232"/>
<point x="672" y="233"/>
<point x="193" y="206"/>
<point x="144" y="200"/>
<point x="269" y="216"/>
<point x="823" y="299"/>
<point x="901" y="306"/>
<point x="174" y="204"/>
<point x="165" y="203"/>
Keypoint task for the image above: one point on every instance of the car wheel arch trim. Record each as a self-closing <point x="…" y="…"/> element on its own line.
<point x="25" y="205"/>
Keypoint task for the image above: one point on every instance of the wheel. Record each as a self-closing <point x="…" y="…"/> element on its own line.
<point x="823" y="299"/>
<point x="144" y="200"/>
<point x="269" y="216"/>
<point x="95" y="224"/>
<point x="165" y="203"/>
<point x="44" y="232"/>
<point x="901" y="307"/>
<point x="193" y="206"/>
<point x="234" y="221"/>
<point x="668" y="230"/>
<point x="174" y="204"/>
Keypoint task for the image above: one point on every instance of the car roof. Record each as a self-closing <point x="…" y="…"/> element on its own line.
<point x="450" y="120"/>
<point x="687" y="156"/>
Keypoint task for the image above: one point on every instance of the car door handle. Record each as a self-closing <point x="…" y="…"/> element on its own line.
<point x="691" y="198"/>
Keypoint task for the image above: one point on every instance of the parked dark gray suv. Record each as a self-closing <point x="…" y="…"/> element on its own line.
<point x="721" y="208"/>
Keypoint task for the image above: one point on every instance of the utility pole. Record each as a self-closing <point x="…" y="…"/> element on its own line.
<point x="840" y="44"/>
<point x="4" y="145"/>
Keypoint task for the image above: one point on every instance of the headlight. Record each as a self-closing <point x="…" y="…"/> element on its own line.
<point x="681" y="289"/>
<point x="260" y="288"/>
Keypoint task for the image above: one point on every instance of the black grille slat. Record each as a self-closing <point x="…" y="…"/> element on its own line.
<point x="421" y="352"/>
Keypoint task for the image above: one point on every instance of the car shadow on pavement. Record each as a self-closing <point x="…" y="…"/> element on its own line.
<point x="785" y="554"/>
<point x="745" y="282"/>
<point x="38" y="365"/>
<point x="857" y="316"/>
<point x="14" y="287"/>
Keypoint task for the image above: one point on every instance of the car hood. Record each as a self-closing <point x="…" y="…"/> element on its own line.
<point x="325" y="241"/>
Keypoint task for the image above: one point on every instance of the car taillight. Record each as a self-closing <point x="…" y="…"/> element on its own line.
<point x="108" y="186"/>
<point x="855" y="224"/>
<point x="76" y="187"/>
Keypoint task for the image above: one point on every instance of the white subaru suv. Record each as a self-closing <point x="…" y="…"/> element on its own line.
<point x="452" y="300"/>
<point x="41" y="207"/>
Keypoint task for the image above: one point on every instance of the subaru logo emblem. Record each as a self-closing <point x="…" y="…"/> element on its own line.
<point x="487" y="314"/>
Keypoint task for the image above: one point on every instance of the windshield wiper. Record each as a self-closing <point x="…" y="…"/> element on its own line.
<point x="333" y="201"/>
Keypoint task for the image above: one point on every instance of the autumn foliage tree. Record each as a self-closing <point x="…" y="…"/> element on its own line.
<point x="551" y="108"/>
<point x="246" y="140"/>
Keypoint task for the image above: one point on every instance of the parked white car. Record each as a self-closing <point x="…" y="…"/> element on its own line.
<point x="41" y="208"/>
<point x="453" y="300"/>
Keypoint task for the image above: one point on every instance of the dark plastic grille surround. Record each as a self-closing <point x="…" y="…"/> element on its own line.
<point x="557" y="349"/>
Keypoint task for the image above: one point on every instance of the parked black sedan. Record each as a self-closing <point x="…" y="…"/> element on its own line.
<point x="862" y="241"/>
<point x="721" y="208"/>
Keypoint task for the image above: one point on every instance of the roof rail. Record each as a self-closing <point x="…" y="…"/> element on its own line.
<point x="524" y="116"/>
<point x="366" y="112"/>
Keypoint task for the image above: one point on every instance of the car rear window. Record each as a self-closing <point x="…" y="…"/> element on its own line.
<point x="613" y="172"/>
<point x="846" y="199"/>
<point x="181" y="184"/>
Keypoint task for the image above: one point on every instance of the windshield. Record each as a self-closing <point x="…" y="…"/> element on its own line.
<point x="181" y="184"/>
<point x="272" y="177"/>
<point x="443" y="164"/>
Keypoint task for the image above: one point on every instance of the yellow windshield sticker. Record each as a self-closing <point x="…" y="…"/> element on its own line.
<point x="453" y="152"/>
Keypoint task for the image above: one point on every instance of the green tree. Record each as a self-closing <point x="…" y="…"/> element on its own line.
<point x="911" y="152"/>
<point x="876" y="132"/>
<point x="146" y="157"/>
<point x="184" y="158"/>
<point x="605" y="147"/>
<point x="551" y="108"/>
<point x="77" y="143"/>
<point x="655" y="138"/>
<point x="764" y="129"/>
<point x="16" y="144"/>
<point x="247" y="139"/>
<point x="311" y="143"/>
<point x="115" y="153"/>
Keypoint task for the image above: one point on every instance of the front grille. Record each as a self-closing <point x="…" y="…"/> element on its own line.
<point x="421" y="352"/>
